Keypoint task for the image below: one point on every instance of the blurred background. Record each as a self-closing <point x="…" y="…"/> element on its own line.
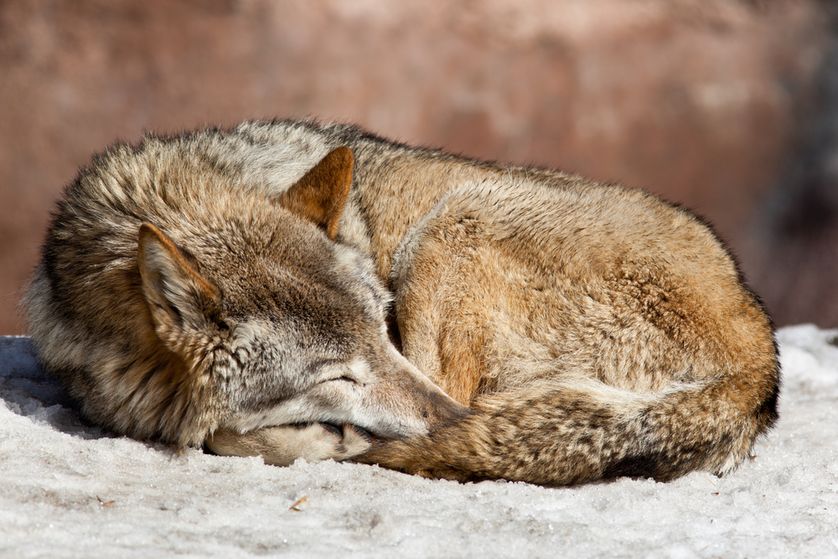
<point x="728" y="107"/>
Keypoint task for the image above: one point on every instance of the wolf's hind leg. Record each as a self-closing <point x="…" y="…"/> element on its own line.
<point x="280" y="446"/>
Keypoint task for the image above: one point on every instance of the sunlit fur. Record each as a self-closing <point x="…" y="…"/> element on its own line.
<point x="178" y="295"/>
<point x="594" y="331"/>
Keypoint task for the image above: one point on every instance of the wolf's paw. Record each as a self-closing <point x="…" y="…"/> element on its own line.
<point x="324" y="441"/>
<point x="281" y="445"/>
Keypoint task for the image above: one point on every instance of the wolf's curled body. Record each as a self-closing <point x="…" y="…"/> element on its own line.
<point x="219" y="286"/>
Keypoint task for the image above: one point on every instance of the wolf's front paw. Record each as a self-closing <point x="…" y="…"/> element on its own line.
<point x="281" y="445"/>
<point x="323" y="441"/>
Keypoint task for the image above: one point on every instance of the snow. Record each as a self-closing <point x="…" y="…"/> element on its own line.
<point x="71" y="490"/>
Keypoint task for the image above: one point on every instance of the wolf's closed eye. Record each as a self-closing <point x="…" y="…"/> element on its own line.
<point x="344" y="379"/>
<point x="338" y="372"/>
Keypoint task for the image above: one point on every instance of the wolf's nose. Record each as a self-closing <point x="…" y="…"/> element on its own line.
<point x="443" y="410"/>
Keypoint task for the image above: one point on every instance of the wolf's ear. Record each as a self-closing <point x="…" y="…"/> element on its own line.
<point x="321" y="195"/>
<point x="180" y="299"/>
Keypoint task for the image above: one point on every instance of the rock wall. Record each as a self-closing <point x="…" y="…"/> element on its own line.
<point x="717" y="104"/>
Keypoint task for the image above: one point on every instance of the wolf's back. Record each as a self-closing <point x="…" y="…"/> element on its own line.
<point x="658" y="359"/>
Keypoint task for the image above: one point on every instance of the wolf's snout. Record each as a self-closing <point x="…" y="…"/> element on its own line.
<point x="404" y="402"/>
<point x="440" y="409"/>
<point x="431" y="407"/>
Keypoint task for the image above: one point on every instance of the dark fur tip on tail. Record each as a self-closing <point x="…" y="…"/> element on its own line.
<point x="639" y="466"/>
<point x="768" y="414"/>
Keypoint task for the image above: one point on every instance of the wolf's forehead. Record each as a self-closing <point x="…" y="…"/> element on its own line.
<point x="303" y="298"/>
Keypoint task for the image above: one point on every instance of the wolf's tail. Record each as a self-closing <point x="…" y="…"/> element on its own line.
<point x="569" y="432"/>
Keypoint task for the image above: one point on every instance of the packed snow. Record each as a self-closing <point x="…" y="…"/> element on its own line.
<point x="71" y="490"/>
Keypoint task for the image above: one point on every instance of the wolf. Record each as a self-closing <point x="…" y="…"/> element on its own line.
<point x="295" y="289"/>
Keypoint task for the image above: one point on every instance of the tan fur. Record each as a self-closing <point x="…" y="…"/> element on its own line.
<point x="323" y="206"/>
<point x="171" y="293"/>
<point x="593" y="330"/>
<point x="515" y="297"/>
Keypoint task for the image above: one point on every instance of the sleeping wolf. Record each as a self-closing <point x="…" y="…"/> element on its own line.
<point x="222" y="287"/>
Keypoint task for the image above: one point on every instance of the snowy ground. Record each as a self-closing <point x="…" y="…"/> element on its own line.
<point x="68" y="490"/>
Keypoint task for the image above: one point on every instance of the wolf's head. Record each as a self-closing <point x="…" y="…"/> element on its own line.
<point x="286" y="323"/>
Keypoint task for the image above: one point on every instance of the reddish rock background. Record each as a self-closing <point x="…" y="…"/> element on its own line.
<point x="729" y="107"/>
